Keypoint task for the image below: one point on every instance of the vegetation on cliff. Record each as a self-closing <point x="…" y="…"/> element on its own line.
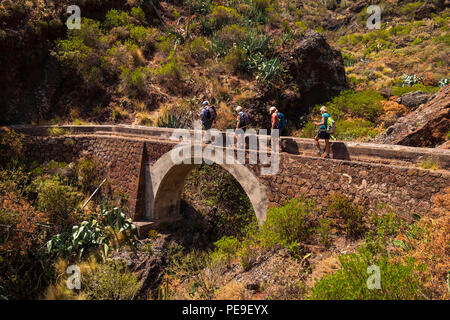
<point x="153" y="62"/>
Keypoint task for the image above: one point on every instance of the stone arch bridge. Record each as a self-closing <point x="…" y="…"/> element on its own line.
<point x="137" y="163"/>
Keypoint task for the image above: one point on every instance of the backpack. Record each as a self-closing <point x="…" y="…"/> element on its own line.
<point x="331" y="125"/>
<point x="210" y="113"/>
<point x="245" y="119"/>
<point x="213" y="112"/>
<point x="281" y="121"/>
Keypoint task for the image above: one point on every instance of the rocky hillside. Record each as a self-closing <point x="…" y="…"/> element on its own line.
<point x="153" y="62"/>
<point x="428" y="125"/>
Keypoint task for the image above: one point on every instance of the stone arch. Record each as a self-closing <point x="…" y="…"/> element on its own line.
<point x="167" y="183"/>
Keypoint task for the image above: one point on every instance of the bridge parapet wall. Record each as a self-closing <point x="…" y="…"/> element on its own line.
<point x="123" y="159"/>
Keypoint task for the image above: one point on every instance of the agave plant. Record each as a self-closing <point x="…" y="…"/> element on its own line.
<point x="268" y="69"/>
<point x="444" y="82"/>
<point x="410" y="80"/>
<point x="92" y="234"/>
<point x="170" y="121"/>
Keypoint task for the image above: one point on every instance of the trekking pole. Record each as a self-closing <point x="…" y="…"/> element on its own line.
<point x="93" y="194"/>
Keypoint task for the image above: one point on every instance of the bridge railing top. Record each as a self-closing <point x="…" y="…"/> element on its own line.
<point x="341" y="149"/>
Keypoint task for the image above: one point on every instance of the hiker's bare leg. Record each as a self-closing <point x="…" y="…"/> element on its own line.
<point x="316" y="140"/>
<point x="327" y="146"/>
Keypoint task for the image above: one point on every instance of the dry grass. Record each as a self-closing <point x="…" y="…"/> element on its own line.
<point x="322" y="268"/>
<point x="391" y="112"/>
<point x="233" y="290"/>
<point x="59" y="290"/>
<point x="432" y="247"/>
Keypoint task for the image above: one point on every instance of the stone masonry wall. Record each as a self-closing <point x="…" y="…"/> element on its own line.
<point x="122" y="162"/>
<point x="407" y="190"/>
<point x="120" y="159"/>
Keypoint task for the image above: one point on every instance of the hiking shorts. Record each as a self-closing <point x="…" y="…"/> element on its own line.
<point x="207" y="124"/>
<point x="323" y="134"/>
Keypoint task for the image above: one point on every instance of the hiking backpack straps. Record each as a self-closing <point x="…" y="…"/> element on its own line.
<point x="281" y="121"/>
<point x="213" y="112"/>
<point x="246" y="118"/>
<point x="331" y="125"/>
<point x="209" y="113"/>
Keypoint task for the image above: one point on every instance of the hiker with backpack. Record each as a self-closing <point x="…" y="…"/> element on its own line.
<point x="326" y="127"/>
<point x="278" y="120"/>
<point x="208" y="115"/>
<point x="242" y="120"/>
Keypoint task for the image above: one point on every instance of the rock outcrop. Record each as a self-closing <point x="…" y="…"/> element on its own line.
<point x="316" y="68"/>
<point x="412" y="100"/>
<point x="427" y="126"/>
<point x="316" y="72"/>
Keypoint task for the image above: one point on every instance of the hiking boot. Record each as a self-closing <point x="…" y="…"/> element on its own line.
<point x="327" y="156"/>
<point x="319" y="152"/>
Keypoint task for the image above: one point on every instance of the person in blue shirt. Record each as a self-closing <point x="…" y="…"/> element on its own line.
<point x="322" y="133"/>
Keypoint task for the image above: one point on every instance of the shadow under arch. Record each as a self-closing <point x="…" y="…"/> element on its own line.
<point x="167" y="183"/>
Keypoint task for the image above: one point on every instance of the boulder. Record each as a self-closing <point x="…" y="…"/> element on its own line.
<point x="412" y="100"/>
<point x="427" y="126"/>
<point x="316" y="72"/>
<point x="316" y="68"/>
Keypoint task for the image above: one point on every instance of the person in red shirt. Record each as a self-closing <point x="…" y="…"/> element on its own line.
<point x="278" y="121"/>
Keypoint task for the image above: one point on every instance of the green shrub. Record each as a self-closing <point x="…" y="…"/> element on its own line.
<point x="57" y="198"/>
<point x="350" y="213"/>
<point x="200" y="49"/>
<point x="356" y="129"/>
<point x="138" y="14"/>
<point x="72" y="52"/>
<point x="226" y="249"/>
<point x="111" y="281"/>
<point x="292" y="222"/>
<point x="185" y="265"/>
<point x="268" y="69"/>
<point x="10" y="148"/>
<point x="400" y="30"/>
<point x="324" y="231"/>
<point x="248" y="256"/>
<point x="398" y="281"/>
<point x="224" y="15"/>
<point x="445" y="39"/>
<point x="349" y="59"/>
<point x="235" y="59"/>
<point x="382" y="230"/>
<point x="87" y="174"/>
<point x="142" y="36"/>
<point x="172" y="72"/>
<point x="417" y="41"/>
<point x="401" y="90"/>
<point x="199" y="6"/>
<point x="152" y="234"/>
<point x="364" y="104"/>
<point x="133" y="82"/>
<point x="232" y="34"/>
<point x="411" y="7"/>
<point x="430" y="163"/>
<point x="308" y="131"/>
<point x="262" y="4"/>
<point x="115" y="18"/>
